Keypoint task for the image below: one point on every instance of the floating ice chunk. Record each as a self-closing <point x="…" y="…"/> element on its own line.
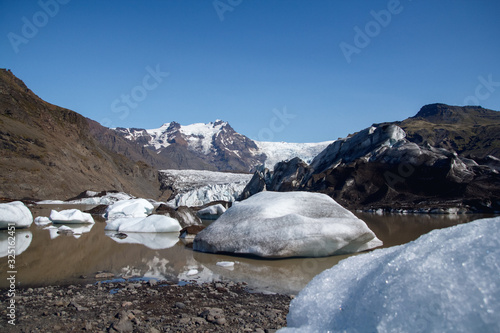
<point x="445" y="281"/>
<point x="70" y="216"/>
<point x="15" y="213"/>
<point x="217" y="209"/>
<point x="225" y="263"/>
<point x="152" y="223"/>
<point x="192" y="272"/>
<point x="129" y="208"/>
<point x="42" y="220"/>
<point x="287" y="224"/>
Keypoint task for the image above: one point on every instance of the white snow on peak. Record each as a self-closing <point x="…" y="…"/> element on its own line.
<point x="199" y="135"/>
<point x="283" y="151"/>
<point x="445" y="281"/>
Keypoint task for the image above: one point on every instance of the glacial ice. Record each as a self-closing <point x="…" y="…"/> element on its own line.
<point x="445" y="281"/>
<point x="152" y="223"/>
<point x="92" y="198"/>
<point x="287" y="224"/>
<point x="42" y="220"/>
<point x="214" y="210"/>
<point x="15" y="212"/>
<point x="70" y="216"/>
<point x="129" y="208"/>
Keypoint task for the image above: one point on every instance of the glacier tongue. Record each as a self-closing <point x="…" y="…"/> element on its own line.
<point x="199" y="187"/>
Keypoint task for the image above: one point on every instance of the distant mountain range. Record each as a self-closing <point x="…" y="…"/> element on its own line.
<point x="444" y="157"/>
<point x="214" y="146"/>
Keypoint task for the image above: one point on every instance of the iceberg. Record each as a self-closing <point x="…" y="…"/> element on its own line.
<point x="129" y="208"/>
<point x="15" y="213"/>
<point x="42" y="220"/>
<point x="287" y="224"/>
<point x="152" y="223"/>
<point x="74" y="229"/>
<point x="445" y="281"/>
<point x="70" y="216"/>
<point x="211" y="212"/>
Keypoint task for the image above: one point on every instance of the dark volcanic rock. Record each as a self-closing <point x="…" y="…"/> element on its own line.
<point x="379" y="168"/>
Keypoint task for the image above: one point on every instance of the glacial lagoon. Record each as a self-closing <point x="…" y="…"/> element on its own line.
<point x="46" y="257"/>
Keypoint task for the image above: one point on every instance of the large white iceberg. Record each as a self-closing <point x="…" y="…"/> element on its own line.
<point x="152" y="223"/>
<point x="129" y="208"/>
<point x="446" y="281"/>
<point x="70" y="216"/>
<point x="15" y="213"/>
<point x="287" y="224"/>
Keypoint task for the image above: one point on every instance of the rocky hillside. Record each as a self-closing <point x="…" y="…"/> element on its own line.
<point x="48" y="152"/>
<point x="470" y="130"/>
<point x="380" y="167"/>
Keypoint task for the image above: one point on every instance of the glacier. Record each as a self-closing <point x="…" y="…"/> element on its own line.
<point x="445" y="281"/>
<point x="287" y="224"/>
<point x="200" y="187"/>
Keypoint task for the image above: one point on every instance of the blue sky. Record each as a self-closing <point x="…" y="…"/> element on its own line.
<point x="289" y="70"/>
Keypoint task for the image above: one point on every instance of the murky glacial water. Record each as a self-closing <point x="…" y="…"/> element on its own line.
<point x="47" y="258"/>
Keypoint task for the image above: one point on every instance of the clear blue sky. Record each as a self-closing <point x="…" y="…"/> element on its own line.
<point x="289" y="70"/>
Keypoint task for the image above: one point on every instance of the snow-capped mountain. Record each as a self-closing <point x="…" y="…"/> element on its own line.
<point x="215" y="146"/>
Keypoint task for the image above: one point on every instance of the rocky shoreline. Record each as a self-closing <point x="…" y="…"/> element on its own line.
<point x="144" y="306"/>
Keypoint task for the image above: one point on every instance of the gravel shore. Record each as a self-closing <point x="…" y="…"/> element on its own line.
<point x="144" y="306"/>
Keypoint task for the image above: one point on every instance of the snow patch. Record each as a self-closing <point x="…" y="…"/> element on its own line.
<point x="445" y="281"/>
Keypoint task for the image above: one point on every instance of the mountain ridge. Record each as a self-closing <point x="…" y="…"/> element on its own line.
<point x="49" y="152"/>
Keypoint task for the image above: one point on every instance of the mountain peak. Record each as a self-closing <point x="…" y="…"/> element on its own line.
<point x="439" y="113"/>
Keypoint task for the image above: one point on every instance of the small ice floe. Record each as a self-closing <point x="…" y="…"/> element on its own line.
<point x="225" y="263"/>
<point x="70" y="216"/>
<point x="211" y="212"/>
<point x="192" y="272"/>
<point x="129" y="208"/>
<point x="15" y="213"/>
<point x="42" y="220"/>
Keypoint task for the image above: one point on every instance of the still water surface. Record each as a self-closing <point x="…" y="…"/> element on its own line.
<point x="48" y="258"/>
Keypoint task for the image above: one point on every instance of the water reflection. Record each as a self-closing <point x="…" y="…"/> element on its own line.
<point x="22" y="241"/>
<point x="46" y="258"/>
<point x="152" y="240"/>
<point x="74" y="229"/>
